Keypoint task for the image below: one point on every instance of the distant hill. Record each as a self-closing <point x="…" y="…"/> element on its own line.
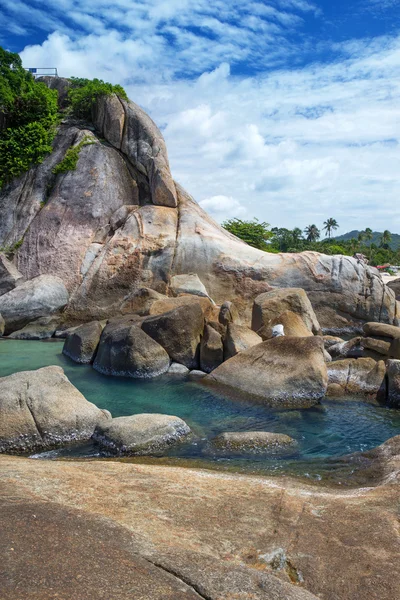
<point x="376" y="236"/>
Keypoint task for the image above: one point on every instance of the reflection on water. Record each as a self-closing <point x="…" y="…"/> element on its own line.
<point x="323" y="433"/>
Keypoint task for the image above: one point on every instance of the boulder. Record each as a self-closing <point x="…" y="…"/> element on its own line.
<point x="40" y="409"/>
<point x="197" y="374"/>
<point x="288" y="323"/>
<point x="350" y="349"/>
<point x="331" y="340"/>
<point x="126" y="351"/>
<point x="188" y="284"/>
<point x="362" y="376"/>
<point x="254" y="442"/>
<point x="141" y="301"/>
<point x="178" y="332"/>
<point x="2" y="325"/>
<point x="38" y="297"/>
<point x="228" y="313"/>
<point x="394" y="348"/>
<point x="211" y="349"/>
<point x="10" y="277"/>
<point x="41" y="329"/>
<point x="282" y="371"/>
<point x="269" y="306"/>
<point x="177" y="369"/>
<point x="162" y="306"/>
<point x="381" y="330"/>
<point x="141" y="434"/>
<point x="393" y="378"/>
<point x="395" y="286"/>
<point x="64" y="333"/>
<point x="378" y="346"/>
<point x="239" y="338"/>
<point x="81" y="345"/>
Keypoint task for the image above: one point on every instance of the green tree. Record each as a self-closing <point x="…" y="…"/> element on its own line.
<point x="252" y="232"/>
<point x="330" y="225"/>
<point x="84" y="93"/>
<point x="313" y="233"/>
<point x="385" y="239"/>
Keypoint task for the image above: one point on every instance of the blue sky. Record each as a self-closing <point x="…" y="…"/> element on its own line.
<point x="287" y="110"/>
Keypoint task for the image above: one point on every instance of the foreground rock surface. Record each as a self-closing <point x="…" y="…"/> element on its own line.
<point x="39" y="297"/>
<point x="40" y="409"/>
<point x="284" y="371"/>
<point x="141" y="434"/>
<point x="288" y="540"/>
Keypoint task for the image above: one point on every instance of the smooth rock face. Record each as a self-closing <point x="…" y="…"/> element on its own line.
<point x="393" y="375"/>
<point x="239" y="338"/>
<point x="211" y="350"/>
<point x="357" y="376"/>
<point x="82" y="343"/>
<point x="10" y="277"/>
<point x="177" y="369"/>
<point x="178" y="332"/>
<point x="288" y="323"/>
<point x="126" y="351"/>
<point x="141" y="434"/>
<point x="378" y="346"/>
<point x="254" y="442"/>
<point x="39" y="297"/>
<point x="41" y="329"/>
<point x="282" y="371"/>
<point x="381" y="330"/>
<point x="268" y="307"/>
<point x="40" y="409"/>
<point x="188" y="284"/>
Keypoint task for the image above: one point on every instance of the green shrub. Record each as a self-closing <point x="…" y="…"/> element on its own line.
<point x="84" y="93"/>
<point x="71" y="157"/>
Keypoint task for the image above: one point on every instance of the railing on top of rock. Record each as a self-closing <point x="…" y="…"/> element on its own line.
<point x="42" y="71"/>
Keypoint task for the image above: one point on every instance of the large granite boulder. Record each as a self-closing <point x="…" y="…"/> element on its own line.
<point x="239" y="338"/>
<point x="351" y="376"/>
<point x="178" y="332"/>
<point x="39" y="297"/>
<point x="393" y="379"/>
<point x="395" y="286"/>
<point x="126" y="351"/>
<point x="163" y="305"/>
<point x="141" y="434"/>
<point x="268" y="308"/>
<point x="81" y="345"/>
<point x="292" y="324"/>
<point x="10" y="277"/>
<point x="282" y="371"/>
<point x="254" y="442"/>
<point x="40" y="409"/>
<point x="211" y="349"/>
<point x="41" y="329"/>
<point x="141" y="301"/>
<point x="381" y="330"/>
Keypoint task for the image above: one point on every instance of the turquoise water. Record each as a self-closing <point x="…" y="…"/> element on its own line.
<point x="327" y="431"/>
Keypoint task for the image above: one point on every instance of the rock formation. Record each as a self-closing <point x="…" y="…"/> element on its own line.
<point x="119" y="223"/>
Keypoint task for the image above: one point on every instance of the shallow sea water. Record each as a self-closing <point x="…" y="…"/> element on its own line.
<point x="324" y="433"/>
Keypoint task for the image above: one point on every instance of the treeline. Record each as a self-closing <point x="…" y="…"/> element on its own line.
<point x="279" y="239"/>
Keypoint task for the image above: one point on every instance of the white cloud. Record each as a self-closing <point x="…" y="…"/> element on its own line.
<point x="223" y="207"/>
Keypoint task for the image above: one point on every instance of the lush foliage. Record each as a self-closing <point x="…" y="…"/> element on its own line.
<point x="279" y="239"/>
<point x="70" y="159"/>
<point x="253" y="232"/>
<point x="28" y="116"/>
<point x="84" y="92"/>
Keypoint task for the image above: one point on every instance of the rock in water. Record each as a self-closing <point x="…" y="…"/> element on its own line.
<point x="141" y="434"/>
<point x="357" y="376"/>
<point x="268" y="307"/>
<point x="178" y="332"/>
<point x="41" y="329"/>
<point x="41" y="409"/>
<point x="82" y="344"/>
<point x="281" y="371"/>
<point x="38" y="297"/>
<point x="211" y="350"/>
<point x="126" y="351"/>
<point x="393" y="375"/>
<point x="254" y="442"/>
<point x="239" y="338"/>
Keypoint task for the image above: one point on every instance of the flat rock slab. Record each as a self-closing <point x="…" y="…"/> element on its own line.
<point x="254" y="442"/>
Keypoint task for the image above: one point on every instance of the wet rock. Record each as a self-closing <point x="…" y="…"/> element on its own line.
<point x="41" y="329"/>
<point x="357" y="376"/>
<point x="178" y="332"/>
<point x="141" y="434"/>
<point x="127" y="351"/>
<point x="41" y="409"/>
<point x="188" y="284"/>
<point x="239" y="338"/>
<point x="269" y="306"/>
<point x="282" y="371"/>
<point x="211" y="349"/>
<point x="177" y="369"/>
<point x="393" y="375"/>
<point x="254" y="442"/>
<point x="10" y="277"/>
<point x="228" y="314"/>
<point x="38" y="297"/>
<point x="81" y="345"/>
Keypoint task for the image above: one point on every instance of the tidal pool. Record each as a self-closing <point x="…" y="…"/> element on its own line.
<point x="324" y="433"/>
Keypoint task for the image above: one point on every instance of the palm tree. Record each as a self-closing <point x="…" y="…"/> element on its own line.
<point x="368" y="234"/>
<point x="313" y="233"/>
<point x="361" y="236"/>
<point x="385" y="239"/>
<point x="330" y="225"/>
